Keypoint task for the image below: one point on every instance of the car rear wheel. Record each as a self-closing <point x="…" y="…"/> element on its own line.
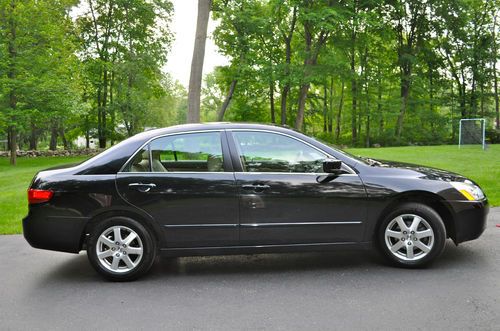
<point x="121" y="249"/>
<point x="412" y="235"/>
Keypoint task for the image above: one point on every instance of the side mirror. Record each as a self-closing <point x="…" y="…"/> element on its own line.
<point x="332" y="166"/>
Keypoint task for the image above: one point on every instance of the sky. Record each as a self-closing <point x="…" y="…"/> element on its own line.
<point x="183" y="27"/>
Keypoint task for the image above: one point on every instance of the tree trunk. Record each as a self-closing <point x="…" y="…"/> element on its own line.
<point x="225" y="104"/>
<point x="102" y="93"/>
<point x="339" y="114"/>
<point x="284" y="95"/>
<point x="63" y="137"/>
<point x="53" y="137"/>
<point x="354" y="89"/>
<point x="87" y="139"/>
<point x="111" y="109"/>
<point x="12" y="75"/>
<point x="288" y="57"/>
<point x="310" y="59"/>
<point x="13" y="145"/>
<point x="299" y="121"/>
<point x="495" y="78"/>
<point x="330" y="107"/>
<point x="271" y="102"/>
<point x="193" y="114"/>
<point x="33" y="136"/>
<point x="405" y="92"/>
<point x="431" y="90"/>
<point x="379" y="106"/>
<point x="367" y="127"/>
<point x="325" y="109"/>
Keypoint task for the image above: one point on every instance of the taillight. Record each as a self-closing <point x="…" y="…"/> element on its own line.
<point x="39" y="196"/>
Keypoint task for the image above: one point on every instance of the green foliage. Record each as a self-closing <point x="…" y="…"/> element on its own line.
<point x="410" y="69"/>
<point x="37" y="64"/>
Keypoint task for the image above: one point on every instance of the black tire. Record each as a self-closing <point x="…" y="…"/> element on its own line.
<point x="433" y="220"/>
<point x="149" y="249"/>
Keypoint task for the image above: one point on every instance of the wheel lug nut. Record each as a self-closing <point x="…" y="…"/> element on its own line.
<point x="124" y="246"/>
<point x="404" y="232"/>
<point x="413" y="232"/>
<point x="124" y="253"/>
<point x="117" y="243"/>
<point x="403" y="239"/>
<point x="117" y="254"/>
<point x="409" y="243"/>
<point x="113" y="249"/>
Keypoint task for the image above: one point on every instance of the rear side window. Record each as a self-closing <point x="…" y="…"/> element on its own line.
<point x="190" y="152"/>
<point x="140" y="162"/>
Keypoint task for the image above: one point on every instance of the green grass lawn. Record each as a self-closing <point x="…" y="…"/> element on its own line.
<point x="481" y="166"/>
<point x="14" y="182"/>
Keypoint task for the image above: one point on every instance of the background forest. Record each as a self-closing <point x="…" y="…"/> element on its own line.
<point x="353" y="72"/>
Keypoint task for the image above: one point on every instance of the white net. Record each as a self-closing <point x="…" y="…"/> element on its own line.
<point x="472" y="132"/>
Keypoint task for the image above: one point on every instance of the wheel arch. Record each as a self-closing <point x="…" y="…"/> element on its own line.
<point x="427" y="198"/>
<point x="145" y="220"/>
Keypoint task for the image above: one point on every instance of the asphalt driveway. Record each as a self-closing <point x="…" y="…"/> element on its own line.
<point x="313" y="291"/>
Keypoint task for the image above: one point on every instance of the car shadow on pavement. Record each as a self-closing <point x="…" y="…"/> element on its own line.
<point x="78" y="270"/>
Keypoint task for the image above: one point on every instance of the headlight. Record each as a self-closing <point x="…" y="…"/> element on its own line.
<point x="469" y="190"/>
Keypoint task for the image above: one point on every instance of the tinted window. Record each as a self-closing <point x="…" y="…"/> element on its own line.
<point x="270" y="152"/>
<point x="140" y="162"/>
<point x="192" y="152"/>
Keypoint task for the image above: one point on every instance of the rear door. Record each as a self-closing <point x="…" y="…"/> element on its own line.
<point x="186" y="183"/>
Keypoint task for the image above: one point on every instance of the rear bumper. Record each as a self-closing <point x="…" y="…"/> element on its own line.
<point x="54" y="233"/>
<point x="470" y="219"/>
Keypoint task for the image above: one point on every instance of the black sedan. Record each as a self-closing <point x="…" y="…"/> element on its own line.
<point x="221" y="188"/>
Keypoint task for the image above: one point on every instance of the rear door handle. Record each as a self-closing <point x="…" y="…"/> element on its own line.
<point x="142" y="187"/>
<point x="255" y="187"/>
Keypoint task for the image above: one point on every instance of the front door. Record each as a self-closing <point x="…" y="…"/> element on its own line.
<point x="281" y="199"/>
<point x="185" y="182"/>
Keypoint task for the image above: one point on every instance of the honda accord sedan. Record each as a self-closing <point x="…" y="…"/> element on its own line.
<point x="222" y="188"/>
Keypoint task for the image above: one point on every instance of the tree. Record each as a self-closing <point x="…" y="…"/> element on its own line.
<point x="36" y="64"/>
<point x="193" y="114"/>
<point x="123" y="49"/>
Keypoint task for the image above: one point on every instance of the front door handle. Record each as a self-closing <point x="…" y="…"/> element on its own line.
<point x="255" y="187"/>
<point x="142" y="187"/>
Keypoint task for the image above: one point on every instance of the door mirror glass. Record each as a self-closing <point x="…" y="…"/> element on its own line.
<point x="332" y="166"/>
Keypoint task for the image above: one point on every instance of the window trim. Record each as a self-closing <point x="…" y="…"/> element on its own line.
<point x="238" y="155"/>
<point x="225" y="150"/>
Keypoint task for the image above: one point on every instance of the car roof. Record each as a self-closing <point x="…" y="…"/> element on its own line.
<point x="211" y="126"/>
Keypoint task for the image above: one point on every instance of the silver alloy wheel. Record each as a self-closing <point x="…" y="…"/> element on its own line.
<point x="409" y="237"/>
<point x="119" y="249"/>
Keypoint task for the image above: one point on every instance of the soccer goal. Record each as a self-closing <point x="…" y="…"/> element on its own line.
<point x="472" y="131"/>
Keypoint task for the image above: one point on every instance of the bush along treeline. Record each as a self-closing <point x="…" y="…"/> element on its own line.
<point x="353" y="72"/>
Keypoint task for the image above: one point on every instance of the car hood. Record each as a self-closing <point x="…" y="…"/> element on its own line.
<point x="413" y="170"/>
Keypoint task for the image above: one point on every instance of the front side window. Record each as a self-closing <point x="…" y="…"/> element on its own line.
<point x="191" y="152"/>
<point x="271" y="152"/>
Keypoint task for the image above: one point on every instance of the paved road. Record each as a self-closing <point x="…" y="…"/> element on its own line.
<point x="313" y="291"/>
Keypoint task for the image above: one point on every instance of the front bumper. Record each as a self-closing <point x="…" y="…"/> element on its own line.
<point x="470" y="219"/>
<point x="54" y="232"/>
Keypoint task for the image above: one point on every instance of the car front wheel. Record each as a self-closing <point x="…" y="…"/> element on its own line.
<point x="412" y="235"/>
<point x="121" y="249"/>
